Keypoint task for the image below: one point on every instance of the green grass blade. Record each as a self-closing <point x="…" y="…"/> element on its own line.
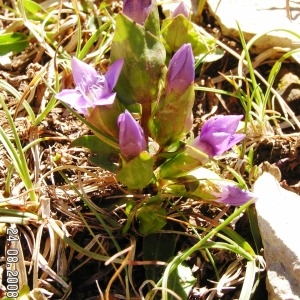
<point x="249" y="279"/>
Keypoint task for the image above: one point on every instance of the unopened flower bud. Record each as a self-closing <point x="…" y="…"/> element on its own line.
<point x="137" y="10"/>
<point x="131" y="136"/>
<point x="181" y="72"/>
<point x="181" y="9"/>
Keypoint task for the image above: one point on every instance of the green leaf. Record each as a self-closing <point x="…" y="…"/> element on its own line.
<point x="179" y="166"/>
<point x="172" y="107"/>
<point x="152" y="23"/>
<point x="24" y="292"/>
<point x="103" y="155"/>
<point x="239" y="240"/>
<point x="157" y="247"/>
<point x="138" y="172"/>
<point x="181" y="281"/>
<point x="151" y="218"/>
<point x="35" y="11"/>
<point x="249" y="280"/>
<point x="179" y="30"/>
<point x="190" y="183"/>
<point x="105" y="119"/>
<point x="144" y="57"/>
<point x="14" y="41"/>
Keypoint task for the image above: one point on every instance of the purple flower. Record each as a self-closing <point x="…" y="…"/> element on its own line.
<point x="218" y="135"/>
<point x="131" y="136"/>
<point x="181" y="9"/>
<point x="233" y="195"/>
<point x="181" y="72"/>
<point x="91" y="88"/>
<point x="137" y="10"/>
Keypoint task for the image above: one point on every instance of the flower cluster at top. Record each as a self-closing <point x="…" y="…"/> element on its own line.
<point x="141" y="108"/>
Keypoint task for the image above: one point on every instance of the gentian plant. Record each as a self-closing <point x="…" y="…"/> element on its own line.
<point x="141" y="115"/>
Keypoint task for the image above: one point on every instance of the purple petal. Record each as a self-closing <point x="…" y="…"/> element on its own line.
<point x="137" y="10"/>
<point x="131" y="136"/>
<point x="181" y="72"/>
<point x="233" y="195"/>
<point x="218" y="135"/>
<point x="221" y="123"/>
<point x="221" y="142"/>
<point x="113" y="73"/>
<point x="75" y="99"/>
<point x="181" y="9"/>
<point x="82" y="71"/>
<point x="234" y="139"/>
<point x="106" y="99"/>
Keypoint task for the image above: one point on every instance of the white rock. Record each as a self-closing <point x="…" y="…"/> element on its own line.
<point x="256" y="17"/>
<point x="278" y="213"/>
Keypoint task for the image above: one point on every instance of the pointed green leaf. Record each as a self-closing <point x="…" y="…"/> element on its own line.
<point x="239" y="240"/>
<point x="152" y="23"/>
<point x="181" y="282"/>
<point x="179" y="30"/>
<point x="14" y="41"/>
<point x="172" y="107"/>
<point x="151" y="218"/>
<point x="157" y="247"/>
<point x="144" y="57"/>
<point x="35" y="11"/>
<point x="105" y="119"/>
<point x="179" y="166"/>
<point x="103" y="155"/>
<point x="138" y="172"/>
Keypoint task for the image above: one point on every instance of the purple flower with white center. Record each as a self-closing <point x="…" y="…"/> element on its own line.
<point x="218" y="135"/>
<point x="233" y="195"/>
<point x="181" y="72"/>
<point x="181" y="9"/>
<point x="131" y="136"/>
<point x="137" y="10"/>
<point x="91" y="88"/>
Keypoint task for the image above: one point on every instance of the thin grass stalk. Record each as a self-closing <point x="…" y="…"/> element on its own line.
<point x="242" y="62"/>
<point x="92" y="233"/>
<point x="53" y="249"/>
<point x="34" y="30"/>
<point x="201" y="5"/>
<point x="275" y="93"/>
<point x="79" y="32"/>
<point x="84" y="52"/>
<point x="247" y="287"/>
<point x="76" y="247"/>
<point x="6" y="86"/>
<point x="257" y="97"/>
<point x="213" y="264"/>
<point x="52" y="102"/>
<point x="35" y="256"/>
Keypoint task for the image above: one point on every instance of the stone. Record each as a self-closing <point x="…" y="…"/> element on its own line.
<point x="257" y="17"/>
<point x="279" y="222"/>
